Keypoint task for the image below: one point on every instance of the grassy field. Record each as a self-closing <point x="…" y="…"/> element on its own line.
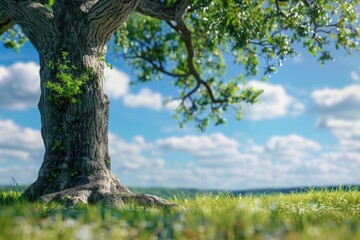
<point x="321" y="214"/>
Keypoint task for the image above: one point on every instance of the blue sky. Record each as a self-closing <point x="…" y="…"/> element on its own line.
<point x="305" y="132"/>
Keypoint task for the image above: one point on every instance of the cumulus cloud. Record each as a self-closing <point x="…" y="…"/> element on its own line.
<point x="224" y="162"/>
<point x="346" y="131"/>
<point x="21" y="152"/>
<point x="144" y="98"/>
<point x="17" y="141"/>
<point x="19" y="86"/>
<point x="116" y="83"/>
<point x="341" y="103"/>
<point x="339" y="112"/>
<point x="342" y="128"/>
<point x="211" y="146"/>
<point x="291" y="147"/>
<point x="130" y="156"/>
<point x="201" y="161"/>
<point x="196" y="144"/>
<point x="276" y="102"/>
<point x="345" y="160"/>
<point x="117" y="87"/>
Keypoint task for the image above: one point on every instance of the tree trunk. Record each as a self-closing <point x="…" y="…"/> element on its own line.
<point x="74" y="134"/>
<point x="76" y="166"/>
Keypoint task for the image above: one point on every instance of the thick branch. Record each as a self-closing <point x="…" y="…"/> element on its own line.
<point x="108" y="15"/>
<point x="35" y="20"/>
<point x="155" y="9"/>
<point x="174" y="16"/>
<point x="187" y="36"/>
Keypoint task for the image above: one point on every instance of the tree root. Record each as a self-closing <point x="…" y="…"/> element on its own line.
<point x="86" y="194"/>
<point x="108" y="191"/>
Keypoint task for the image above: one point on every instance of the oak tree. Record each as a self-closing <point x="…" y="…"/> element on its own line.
<point x="187" y="40"/>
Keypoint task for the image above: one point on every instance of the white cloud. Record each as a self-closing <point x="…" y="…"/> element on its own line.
<point x="223" y="162"/>
<point x="21" y="152"/>
<point x="291" y="147"/>
<point x="117" y="87"/>
<point x="135" y="161"/>
<point x="347" y="132"/>
<point x="340" y="103"/>
<point x="14" y="137"/>
<point x="200" y="161"/>
<point x="19" y="86"/>
<point x="275" y="103"/>
<point x="340" y="113"/>
<point x="349" y="160"/>
<point x="342" y="128"/>
<point x="17" y="154"/>
<point x="144" y="98"/>
<point x="116" y="83"/>
<point x="205" y="146"/>
<point x="129" y="156"/>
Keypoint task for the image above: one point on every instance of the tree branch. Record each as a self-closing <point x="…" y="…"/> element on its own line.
<point x="155" y="9"/>
<point x="35" y="20"/>
<point x="174" y="15"/>
<point x="187" y="36"/>
<point x="110" y="15"/>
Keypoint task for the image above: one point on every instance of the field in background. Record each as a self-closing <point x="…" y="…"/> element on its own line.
<point x="313" y="214"/>
<point x="188" y="192"/>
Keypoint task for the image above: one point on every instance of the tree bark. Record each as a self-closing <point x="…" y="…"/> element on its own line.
<point x="76" y="166"/>
<point x="75" y="134"/>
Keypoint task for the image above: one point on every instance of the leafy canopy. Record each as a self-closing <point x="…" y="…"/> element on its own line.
<point x="252" y="32"/>
<point x="258" y="35"/>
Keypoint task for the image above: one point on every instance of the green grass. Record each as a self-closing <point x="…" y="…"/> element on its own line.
<point x="325" y="214"/>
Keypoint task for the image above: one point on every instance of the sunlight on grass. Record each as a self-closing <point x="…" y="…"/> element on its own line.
<point x="321" y="214"/>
